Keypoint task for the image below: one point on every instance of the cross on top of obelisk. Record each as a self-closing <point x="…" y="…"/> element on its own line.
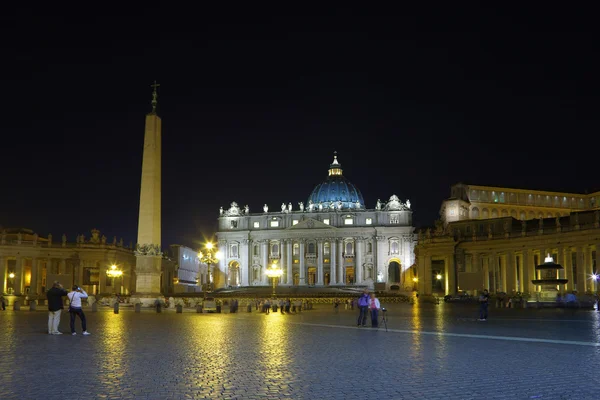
<point x="154" y="101"/>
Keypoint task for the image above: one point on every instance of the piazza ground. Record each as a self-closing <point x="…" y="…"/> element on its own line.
<point x="430" y="352"/>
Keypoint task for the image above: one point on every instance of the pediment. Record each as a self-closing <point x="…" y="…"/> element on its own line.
<point x="310" y="223"/>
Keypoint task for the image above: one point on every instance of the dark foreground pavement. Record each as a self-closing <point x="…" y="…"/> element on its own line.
<point x="429" y="352"/>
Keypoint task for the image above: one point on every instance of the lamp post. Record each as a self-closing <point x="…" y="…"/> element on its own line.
<point x="113" y="273"/>
<point x="274" y="272"/>
<point x="209" y="257"/>
<point x="596" y="277"/>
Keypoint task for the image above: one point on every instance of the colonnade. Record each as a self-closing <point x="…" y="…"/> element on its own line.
<point x="511" y="270"/>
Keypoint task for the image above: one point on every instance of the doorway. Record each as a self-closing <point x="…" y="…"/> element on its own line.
<point x="350" y="276"/>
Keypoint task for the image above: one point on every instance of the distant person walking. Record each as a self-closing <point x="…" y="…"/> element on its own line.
<point x="484" y="300"/>
<point x="363" y="308"/>
<point x="75" y="309"/>
<point x="55" y="307"/>
<point x="374" y="307"/>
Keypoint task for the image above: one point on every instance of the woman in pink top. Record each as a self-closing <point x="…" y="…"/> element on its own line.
<point x="374" y="307"/>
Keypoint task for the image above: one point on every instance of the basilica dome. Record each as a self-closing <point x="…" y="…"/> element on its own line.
<point x="335" y="192"/>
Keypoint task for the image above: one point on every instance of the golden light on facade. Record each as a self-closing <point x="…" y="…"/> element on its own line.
<point x="113" y="272"/>
<point x="11" y="275"/>
<point x="274" y="272"/>
<point x="438" y="276"/>
<point x="415" y="279"/>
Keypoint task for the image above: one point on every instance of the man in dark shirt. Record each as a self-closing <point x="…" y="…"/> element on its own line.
<point x="363" y="307"/>
<point x="483" y="305"/>
<point x="55" y="306"/>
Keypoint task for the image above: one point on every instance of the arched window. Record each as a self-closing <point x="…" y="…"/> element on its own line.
<point x="349" y="249"/>
<point x="255" y="250"/>
<point x="326" y="248"/>
<point x="275" y="250"/>
<point x="394" y="247"/>
<point x="296" y="249"/>
<point x="369" y="248"/>
<point x="311" y="248"/>
<point x="475" y="213"/>
<point x="234" y="250"/>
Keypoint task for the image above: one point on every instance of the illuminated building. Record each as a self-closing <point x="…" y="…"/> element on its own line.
<point x="332" y="239"/>
<point x="492" y="237"/>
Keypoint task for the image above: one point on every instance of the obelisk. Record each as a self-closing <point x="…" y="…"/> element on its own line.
<point x="148" y="253"/>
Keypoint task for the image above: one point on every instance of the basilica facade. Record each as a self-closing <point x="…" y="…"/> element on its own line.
<point x="331" y="240"/>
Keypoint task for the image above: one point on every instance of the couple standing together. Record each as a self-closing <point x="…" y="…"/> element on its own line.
<point x="368" y="303"/>
<point x="55" y="307"/>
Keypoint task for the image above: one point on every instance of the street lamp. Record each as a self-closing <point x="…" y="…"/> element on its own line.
<point x="210" y="256"/>
<point x="274" y="273"/>
<point x="113" y="273"/>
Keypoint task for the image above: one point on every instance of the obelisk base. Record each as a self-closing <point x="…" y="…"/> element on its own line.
<point x="148" y="272"/>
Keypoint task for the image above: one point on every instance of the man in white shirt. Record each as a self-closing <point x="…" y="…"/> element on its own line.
<point x="75" y="308"/>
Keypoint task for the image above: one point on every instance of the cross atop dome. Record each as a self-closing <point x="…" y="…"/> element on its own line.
<point x="335" y="168"/>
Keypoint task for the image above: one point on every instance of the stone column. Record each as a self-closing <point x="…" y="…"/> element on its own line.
<point x="561" y="261"/>
<point x="475" y="267"/>
<point x="290" y="261"/>
<point x="320" y="255"/>
<point x="358" y="260"/>
<point x="569" y="269"/>
<point x="264" y="252"/>
<point x="33" y="286"/>
<point x="340" y="262"/>
<point x="332" y="261"/>
<point x="302" y="280"/>
<point x="493" y="268"/>
<point x="282" y="262"/>
<point x="424" y="272"/>
<point x="486" y="273"/>
<point x="381" y="258"/>
<point x="62" y="268"/>
<point x="581" y="275"/>
<point x="18" y="281"/>
<point x="375" y="259"/>
<point x="597" y="259"/>
<point x="527" y="271"/>
<point x="511" y="276"/>
<point x="2" y="274"/>
<point x="245" y="267"/>
<point x="450" y="274"/>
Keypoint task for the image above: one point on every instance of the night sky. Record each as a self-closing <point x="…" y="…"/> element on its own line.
<point x="255" y="101"/>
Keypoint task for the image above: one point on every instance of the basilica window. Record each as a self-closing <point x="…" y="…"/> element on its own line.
<point x="326" y="249"/>
<point x="369" y="221"/>
<point x="274" y="224"/>
<point x="255" y="250"/>
<point x="369" y="248"/>
<point x="275" y="251"/>
<point x="348" y="221"/>
<point x="349" y="249"/>
<point x="234" y="250"/>
<point x="257" y="224"/>
<point x="394" y="247"/>
<point x="233" y="224"/>
<point x="394" y="219"/>
<point x="295" y="222"/>
<point x="326" y="221"/>
<point x="311" y="248"/>
<point x="296" y="250"/>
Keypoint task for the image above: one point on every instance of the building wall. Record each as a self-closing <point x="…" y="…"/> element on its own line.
<point x="483" y="202"/>
<point x="334" y="247"/>
<point x="501" y="254"/>
<point x="33" y="259"/>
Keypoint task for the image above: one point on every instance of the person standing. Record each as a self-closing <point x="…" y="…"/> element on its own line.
<point x="75" y="309"/>
<point x="363" y="307"/>
<point x="55" y="307"/>
<point x="374" y="307"/>
<point x="484" y="300"/>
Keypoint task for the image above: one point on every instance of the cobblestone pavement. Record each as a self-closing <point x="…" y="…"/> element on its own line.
<point x="428" y="352"/>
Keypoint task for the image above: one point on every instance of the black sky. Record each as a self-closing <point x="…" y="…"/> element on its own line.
<point x="255" y="101"/>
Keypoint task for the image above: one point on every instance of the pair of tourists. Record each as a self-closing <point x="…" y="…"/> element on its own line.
<point x="368" y="303"/>
<point x="55" y="307"/>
